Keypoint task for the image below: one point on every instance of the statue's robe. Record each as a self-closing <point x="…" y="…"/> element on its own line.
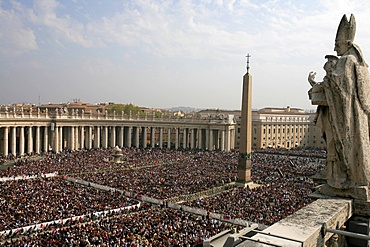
<point x="348" y="97"/>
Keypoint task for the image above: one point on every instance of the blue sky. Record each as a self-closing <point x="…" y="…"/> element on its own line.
<point x="169" y="53"/>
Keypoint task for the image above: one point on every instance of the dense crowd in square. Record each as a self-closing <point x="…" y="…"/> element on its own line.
<point x="282" y="188"/>
<point x="162" y="174"/>
<point x="148" y="226"/>
<point x="75" y="161"/>
<point x="181" y="172"/>
<point x="32" y="201"/>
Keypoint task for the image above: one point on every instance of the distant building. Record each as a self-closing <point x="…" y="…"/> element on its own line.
<point x="284" y="128"/>
<point x="277" y="127"/>
<point x="76" y="107"/>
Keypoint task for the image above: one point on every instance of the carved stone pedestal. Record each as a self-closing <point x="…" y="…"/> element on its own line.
<point x="358" y="193"/>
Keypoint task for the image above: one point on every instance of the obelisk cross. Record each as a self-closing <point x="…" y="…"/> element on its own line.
<point x="248" y="56"/>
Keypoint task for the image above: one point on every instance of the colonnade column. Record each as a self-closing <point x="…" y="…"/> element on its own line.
<point x="61" y="143"/>
<point x="82" y="137"/>
<point x="216" y="139"/>
<point x="184" y="141"/>
<point x="21" y="140"/>
<point x="128" y="137"/>
<point x="137" y="137"/>
<point x="228" y="146"/>
<point x="37" y="148"/>
<point x="105" y="137"/>
<point x="211" y="141"/>
<point x="192" y="138"/>
<point x="222" y="144"/>
<point x="56" y="139"/>
<point x="76" y="138"/>
<point x="200" y="143"/>
<point x="120" y="136"/>
<point x="6" y="140"/>
<point x="232" y="139"/>
<point x="71" y="143"/>
<point x="29" y="140"/>
<point x="152" y="137"/>
<point x="169" y="138"/>
<point x="97" y="137"/>
<point x="161" y="138"/>
<point x="177" y="138"/>
<point x="89" y="137"/>
<point x="113" y="136"/>
<point x="207" y="139"/>
<point x="144" y="137"/>
<point x="14" y="140"/>
<point x="46" y="138"/>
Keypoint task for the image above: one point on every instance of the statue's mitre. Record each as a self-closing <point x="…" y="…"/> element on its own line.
<point x="346" y="29"/>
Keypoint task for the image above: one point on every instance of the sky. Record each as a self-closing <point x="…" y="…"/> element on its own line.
<point x="168" y="53"/>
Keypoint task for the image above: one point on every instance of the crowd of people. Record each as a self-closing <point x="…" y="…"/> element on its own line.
<point x="6" y="158"/>
<point x="162" y="174"/>
<point x="281" y="187"/>
<point x="32" y="201"/>
<point x="299" y="151"/>
<point x="149" y="226"/>
<point x="80" y="161"/>
<point x="179" y="173"/>
<point x="64" y="162"/>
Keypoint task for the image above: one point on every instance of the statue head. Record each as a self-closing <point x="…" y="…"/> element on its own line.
<point x="345" y="35"/>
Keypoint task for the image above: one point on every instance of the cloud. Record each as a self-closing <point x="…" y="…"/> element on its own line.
<point x="62" y="27"/>
<point x="15" y="38"/>
<point x="126" y="42"/>
<point x="195" y="30"/>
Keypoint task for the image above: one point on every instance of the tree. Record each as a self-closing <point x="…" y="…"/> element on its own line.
<point x="126" y="108"/>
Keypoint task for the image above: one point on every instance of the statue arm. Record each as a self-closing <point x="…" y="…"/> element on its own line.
<point x="311" y="78"/>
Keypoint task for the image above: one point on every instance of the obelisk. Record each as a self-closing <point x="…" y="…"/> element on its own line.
<point x="245" y="148"/>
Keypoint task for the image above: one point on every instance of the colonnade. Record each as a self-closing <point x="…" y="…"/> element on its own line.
<point x="19" y="138"/>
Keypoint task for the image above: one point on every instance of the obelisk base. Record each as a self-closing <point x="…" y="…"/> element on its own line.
<point x="244" y="169"/>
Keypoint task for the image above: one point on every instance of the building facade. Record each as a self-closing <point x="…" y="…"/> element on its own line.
<point x="37" y="131"/>
<point x="283" y="128"/>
